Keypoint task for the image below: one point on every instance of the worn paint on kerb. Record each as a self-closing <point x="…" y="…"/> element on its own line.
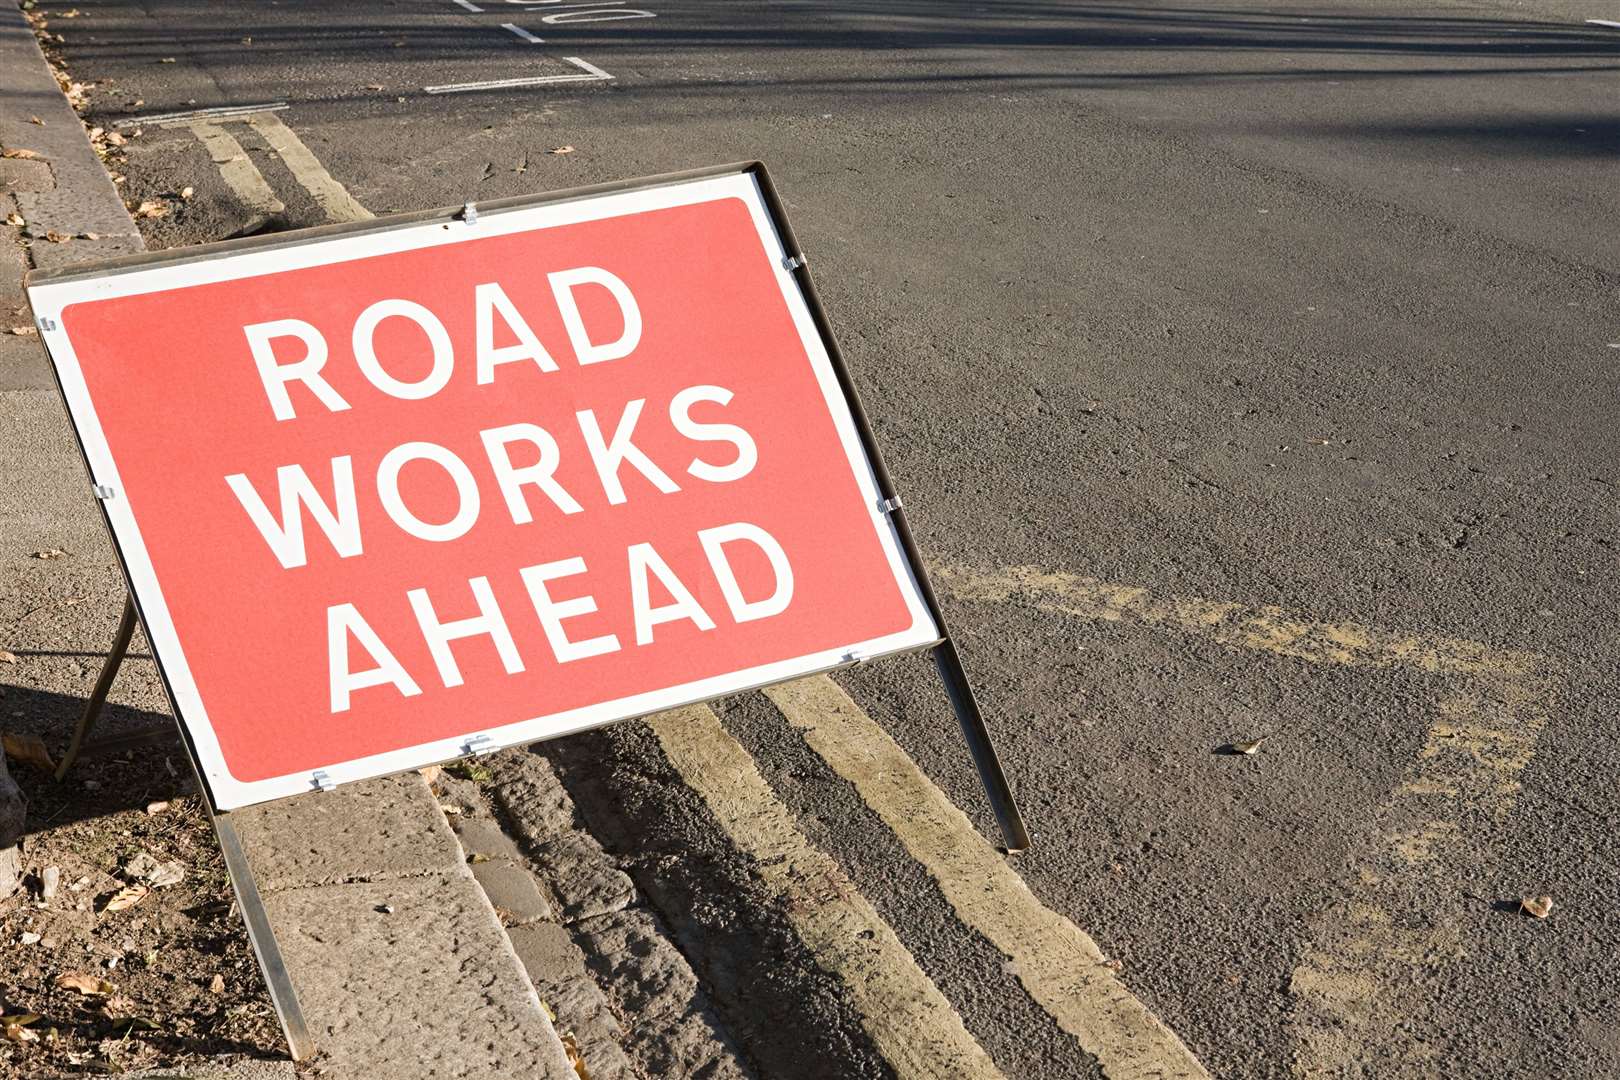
<point x="1356" y="986"/>
<point x="909" y="1021"/>
<point x="1059" y="966"/>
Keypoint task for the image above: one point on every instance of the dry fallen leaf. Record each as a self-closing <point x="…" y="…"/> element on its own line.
<point x="143" y="870"/>
<point x="1251" y="747"/>
<point x="187" y="192"/>
<point x="216" y="985"/>
<point x="21" y="154"/>
<point x="1538" y="906"/>
<point x="57" y="238"/>
<point x="150" y="209"/>
<point x="166" y="60"/>
<point x="128" y="896"/>
<point x="1114" y="964"/>
<point x="23" y="331"/>
<point x="575" y="1058"/>
<point x="561" y="150"/>
<point x="372" y="86"/>
<point x="86" y="984"/>
<point x="15" y="219"/>
<point x="135" y="1023"/>
<point x="48" y="553"/>
<point x="18" y="1033"/>
<point x="115" y="138"/>
<point x="7" y="656"/>
<point x="28" y="749"/>
<point x="36" y="120"/>
<point x="156" y="807"/>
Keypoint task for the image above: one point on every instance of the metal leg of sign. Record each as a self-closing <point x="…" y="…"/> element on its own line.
<point x="263" y="939"/>
<point x="104" y="681"/>
<point x="282" y="994"/>
<point x="983" y="750"/>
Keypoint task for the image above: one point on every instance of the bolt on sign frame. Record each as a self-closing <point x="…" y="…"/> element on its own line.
<point x="52" y="292"/>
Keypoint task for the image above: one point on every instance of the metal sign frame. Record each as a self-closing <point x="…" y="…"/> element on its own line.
<point x="946" y="658"/>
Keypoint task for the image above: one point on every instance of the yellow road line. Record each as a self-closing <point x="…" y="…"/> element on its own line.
<point x="915" y="1029"/>
<point x="332" y="196"/>
<point x="236" y="168"/>
<point x="1350" y="988"/>
<point x="1061" y="968"/>
<point x="1268" y="629"/>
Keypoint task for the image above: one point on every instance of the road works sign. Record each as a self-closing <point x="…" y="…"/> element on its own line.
<point x="391" y="493"/>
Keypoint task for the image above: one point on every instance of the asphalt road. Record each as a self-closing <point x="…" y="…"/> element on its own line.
<point x="1248" y="371"/>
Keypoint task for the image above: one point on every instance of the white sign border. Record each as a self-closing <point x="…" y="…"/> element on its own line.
<point x="51" y="298"/>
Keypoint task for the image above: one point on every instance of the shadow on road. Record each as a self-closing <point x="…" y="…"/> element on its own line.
<point x="298" y="50"/>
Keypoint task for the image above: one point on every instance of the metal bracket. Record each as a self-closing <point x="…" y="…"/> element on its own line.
<point x="479" y="744"/>
<point x="103" y="491"/>
<point x="793" y="262"/>
<point x="47" y="324"/>
<point x="104" y="681"/>
<point x="469" y="213"/>
<point x="852" y="657"/>
<point x="283" y="996"/>
<point x="891" y="504"/>
<point x="320" y="781"/>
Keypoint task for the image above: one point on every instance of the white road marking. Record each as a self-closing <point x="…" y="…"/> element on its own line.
<point x="592" y="74"/>
<point x="216" y="113"/>
<point x="331" y="196"/>
<point x="522" y="33"/>
<point x="469" y="5"/>
<point x="237" y="169"/>
<point x="1605" y="22"/>
<point x="597" y="13"/>
<point x="588" y="67"/>
<point x="1060" y="967"/>
<point x="912" y="1025"/>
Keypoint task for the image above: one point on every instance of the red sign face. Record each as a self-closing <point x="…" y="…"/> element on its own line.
<point x="392" y="496"/>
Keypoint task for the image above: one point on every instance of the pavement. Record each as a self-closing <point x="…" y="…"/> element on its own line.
<point x="399" y="961"/>
<point x="1249" y="375"/>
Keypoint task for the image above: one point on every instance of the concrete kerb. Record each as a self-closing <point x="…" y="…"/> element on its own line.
<point x="401" y="963"/>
